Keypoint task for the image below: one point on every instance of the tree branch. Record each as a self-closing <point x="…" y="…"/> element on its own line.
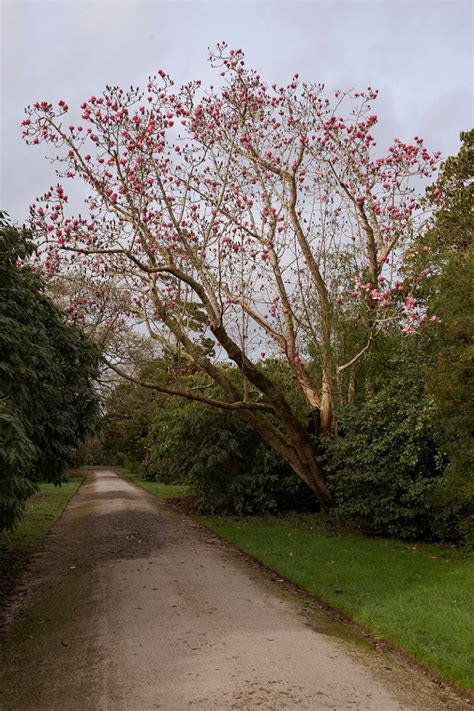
<point x="341" y="368"/>
<point x="238" y="405"/>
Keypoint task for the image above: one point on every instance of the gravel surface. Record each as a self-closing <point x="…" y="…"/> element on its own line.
<point x="133" y="606"/>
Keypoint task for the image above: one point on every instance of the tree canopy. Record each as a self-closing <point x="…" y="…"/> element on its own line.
<point x="243" y="222"/>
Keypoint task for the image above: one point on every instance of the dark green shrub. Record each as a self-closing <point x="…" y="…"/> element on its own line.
<point x="47" y="369"/>
<point x="16" y="457"/>
<point x="385" y="463"/>
<point x="449" y="253"/>
<point x="222" y="458"/>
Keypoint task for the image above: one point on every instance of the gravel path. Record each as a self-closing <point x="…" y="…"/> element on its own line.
<point x="133" y="606"/>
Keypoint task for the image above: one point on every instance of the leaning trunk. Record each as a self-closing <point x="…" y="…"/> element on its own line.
<point x="297" y="449"/>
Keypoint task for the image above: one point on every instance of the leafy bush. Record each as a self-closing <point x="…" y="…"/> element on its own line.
<point x="223" y="459"/>
<point x="385" y="463"/>
<point x="16" y="457"/>
<point x="47" y="368"/>
<point x="453" y="499"/>
<point x="449" y="373"/>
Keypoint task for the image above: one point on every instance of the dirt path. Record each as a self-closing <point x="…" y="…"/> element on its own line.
<point x="132" y="606"/>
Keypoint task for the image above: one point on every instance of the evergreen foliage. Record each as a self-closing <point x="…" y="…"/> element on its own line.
<point x="449" y="374"/>
<point x="385" y="460"/>
<point x="226" y="463"/>
<point x="47" y="368"/>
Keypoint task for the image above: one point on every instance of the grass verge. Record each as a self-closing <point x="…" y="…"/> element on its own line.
<point x="42" y="510"/>
<point x="163" y="491"/>
<point x="418" y="598"/>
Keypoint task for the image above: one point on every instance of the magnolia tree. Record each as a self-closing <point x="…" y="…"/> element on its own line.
<point x="256" y="216"/>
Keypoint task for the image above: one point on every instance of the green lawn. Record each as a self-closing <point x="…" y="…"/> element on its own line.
<point x="163" y="491"/>
<point x="43" y="509"/>
<point x="419" y="597"/>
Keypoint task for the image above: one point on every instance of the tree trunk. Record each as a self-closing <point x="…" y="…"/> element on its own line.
<point x="297" y="449"/>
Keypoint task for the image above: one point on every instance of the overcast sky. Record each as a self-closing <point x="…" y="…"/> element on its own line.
<point x="418" y="54"/>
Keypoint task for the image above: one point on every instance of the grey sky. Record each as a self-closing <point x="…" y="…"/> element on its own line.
<point x="418" y="54"/>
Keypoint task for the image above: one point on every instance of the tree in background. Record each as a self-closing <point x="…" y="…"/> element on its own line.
<point x="449" y="293"/>
<point x="47" y="369"/>
<point x="253" y="225"/>
<point x="125" y="425"/>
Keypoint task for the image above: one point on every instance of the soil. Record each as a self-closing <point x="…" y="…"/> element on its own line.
<point x="132" y="605"/>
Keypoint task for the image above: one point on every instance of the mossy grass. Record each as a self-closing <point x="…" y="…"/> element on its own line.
<point x="42" y="510"/>
<point x="418" y="597"/>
